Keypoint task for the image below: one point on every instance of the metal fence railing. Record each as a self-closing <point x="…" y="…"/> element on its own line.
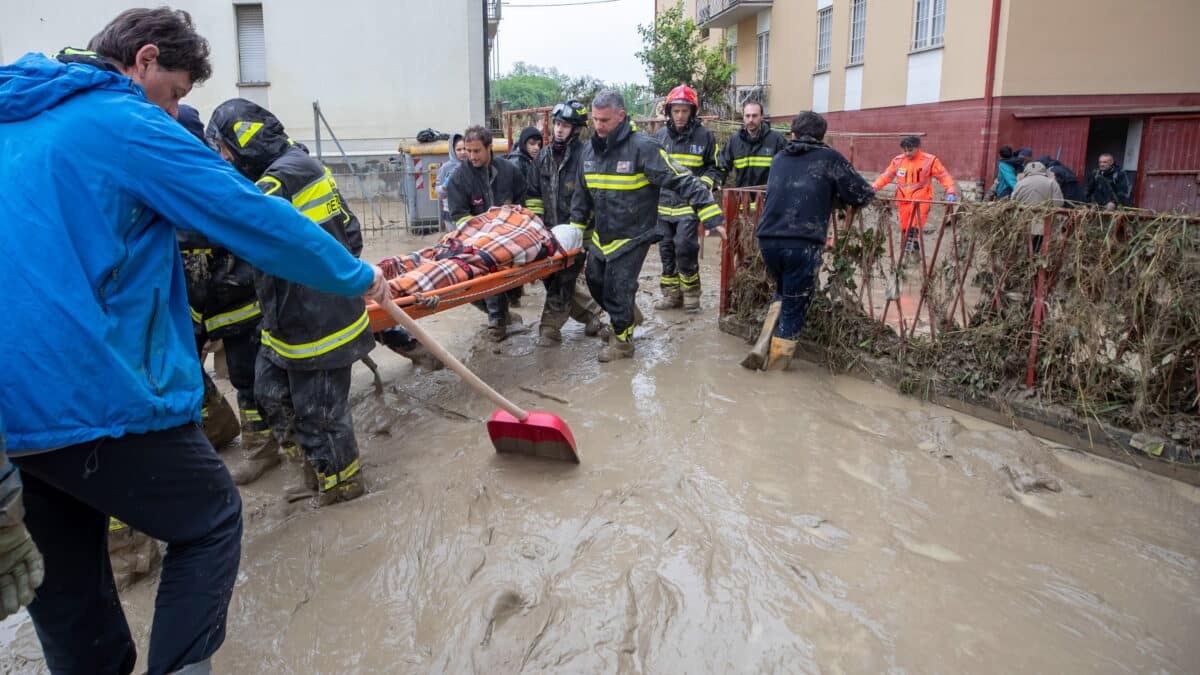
<point x="374" y="192"/>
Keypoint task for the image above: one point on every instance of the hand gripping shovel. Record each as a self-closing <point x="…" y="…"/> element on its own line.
<point x="512" y="429"/>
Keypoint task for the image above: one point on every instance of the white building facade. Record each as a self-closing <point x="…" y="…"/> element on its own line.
<point x="381" y="69"/>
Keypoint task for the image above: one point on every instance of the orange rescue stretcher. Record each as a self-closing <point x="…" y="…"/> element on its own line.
<point x="474" y="289"/>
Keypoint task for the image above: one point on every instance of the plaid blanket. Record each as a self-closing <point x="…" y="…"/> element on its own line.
<point x="497" y="239"/>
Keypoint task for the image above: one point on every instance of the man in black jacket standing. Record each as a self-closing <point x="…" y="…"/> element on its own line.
<point x="750" y="150"/>
<point x="1108" y="186"/>
<point x="621" y="173"/>
<point x="310" y="339"/>
<point x="477" y="185"/>
<point x="805" y="179"/>
<point x="692" y="147"/>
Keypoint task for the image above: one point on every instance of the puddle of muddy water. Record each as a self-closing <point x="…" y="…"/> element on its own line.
<point x="721" y="521"/>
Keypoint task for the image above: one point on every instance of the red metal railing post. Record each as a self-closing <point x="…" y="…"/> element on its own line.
<point x="1038" y="305"/>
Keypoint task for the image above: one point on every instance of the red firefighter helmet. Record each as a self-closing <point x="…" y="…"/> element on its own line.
<point x="683" y="94"/>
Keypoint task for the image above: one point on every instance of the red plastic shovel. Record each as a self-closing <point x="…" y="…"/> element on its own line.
<point x="512" y="429"/>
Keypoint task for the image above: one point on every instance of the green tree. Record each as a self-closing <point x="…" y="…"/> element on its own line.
<point x="673" y="54"/>
<point x="527" y="86"/>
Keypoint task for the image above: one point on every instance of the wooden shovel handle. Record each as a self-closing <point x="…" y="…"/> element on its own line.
<point x="409" y="324"/>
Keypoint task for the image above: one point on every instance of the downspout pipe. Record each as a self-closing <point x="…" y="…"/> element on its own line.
<point x="988" y="99"/>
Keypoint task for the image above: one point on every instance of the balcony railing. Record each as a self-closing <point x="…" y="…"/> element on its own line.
<point x="741" y="94"/>
<point x="727" y="13"/>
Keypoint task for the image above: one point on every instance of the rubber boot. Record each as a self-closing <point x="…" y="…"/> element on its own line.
<point x="260" y="452"/>
<point x="421" y="358"/>
<point x="133" y="554"/>
<point x="586" y="311"/>
<point x="605" y="331"/>
<point x="594" y="325"/>
<point x="300" y="482"/>
<point x="344" y="486"/>
<point x="616" y="349"/>
<point x="691" y="298"/>
<point x="672" y="298"/>
<point x="217" y="418"/>
<point x="781" y="353"/>
<point x="550" y="329"/>
<point x="757" y="358"/>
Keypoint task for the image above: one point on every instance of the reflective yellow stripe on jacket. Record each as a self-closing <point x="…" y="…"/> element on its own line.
<point x="319" y="201"/>
<point x="236" y="316"/>
<point x="687" y="160"/>
<point x="609" y="248"/>
<point x="608" y="181"/>
<point x="325" y="345"/>
<point x="676" y="210"/>
<point x="752" y="160"/>
<point x="536" y="205"/>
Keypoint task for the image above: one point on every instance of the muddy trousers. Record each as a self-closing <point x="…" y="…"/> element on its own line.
<point x="241" y="354"/>
<point x="496" y="307"/>
<point x="793" y="271"/>
<point x="680" y="253"/>
<point x="169" y="484"/>
<point x="563" y="297"/>
<point x="613" y="283"/>
<point x="311" y="408"/>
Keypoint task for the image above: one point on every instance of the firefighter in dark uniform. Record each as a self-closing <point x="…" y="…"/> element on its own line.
<point x="310" y="339"/>
<point x="621" y="174"/>
<point x="556" y="170"/>
<point x="749" y="151"/>
<point x="477" y="185"/>
<point x="695" y="148"/>
<point x="220" y="288"/>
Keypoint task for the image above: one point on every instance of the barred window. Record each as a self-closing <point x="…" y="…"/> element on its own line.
<point x="824" y="37"/>
<point x="929" y="24"/>
<point x="764" y="47"/>
<point x="858" y="31"/>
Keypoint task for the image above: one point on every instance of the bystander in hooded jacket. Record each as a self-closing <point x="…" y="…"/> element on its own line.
<point x="302" y="328"/>
<point x="520" y="156"/>
<point x="1036" y="187"/>
<point x="105" y="264"/>
<point x="1072" y="191"/>
<point x="805" y="179"/>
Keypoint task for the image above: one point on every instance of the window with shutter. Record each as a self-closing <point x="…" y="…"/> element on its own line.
<point x="252" y="46"/>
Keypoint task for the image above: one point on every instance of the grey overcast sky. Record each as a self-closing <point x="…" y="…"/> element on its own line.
<point x="599" y="39"/>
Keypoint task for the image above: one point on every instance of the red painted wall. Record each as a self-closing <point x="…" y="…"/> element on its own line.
<point x="954" y="130"/>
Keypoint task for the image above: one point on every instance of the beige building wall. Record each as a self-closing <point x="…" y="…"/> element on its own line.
<point x="885" y="55"/>
<point x="1100" y="47"/>
<point x="793" y="55"/>
<point x="964" y="59"/>
<point x="839" y="51"/>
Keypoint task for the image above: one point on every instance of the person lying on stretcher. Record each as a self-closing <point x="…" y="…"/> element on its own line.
<point x="500" y="238"/>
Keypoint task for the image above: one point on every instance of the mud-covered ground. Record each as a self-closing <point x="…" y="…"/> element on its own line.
<point x="721" y="521"/>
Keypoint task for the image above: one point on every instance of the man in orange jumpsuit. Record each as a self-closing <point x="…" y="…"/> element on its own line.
<point x="914" y="173"/>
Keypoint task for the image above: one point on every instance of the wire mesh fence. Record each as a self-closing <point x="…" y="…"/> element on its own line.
<point x="374" y="190"/>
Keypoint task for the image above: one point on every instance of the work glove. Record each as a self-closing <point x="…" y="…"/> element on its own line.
<point x="21" y="566"/>
<point x="951" y="198"/>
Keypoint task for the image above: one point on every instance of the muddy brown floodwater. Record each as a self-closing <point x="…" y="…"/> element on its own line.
<point x="721" y="521"/>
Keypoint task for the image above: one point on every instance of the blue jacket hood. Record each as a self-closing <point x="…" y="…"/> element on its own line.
<point x="35" y="83"/>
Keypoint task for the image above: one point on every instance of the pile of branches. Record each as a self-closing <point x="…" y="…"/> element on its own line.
<point x="1120" y="336"/>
